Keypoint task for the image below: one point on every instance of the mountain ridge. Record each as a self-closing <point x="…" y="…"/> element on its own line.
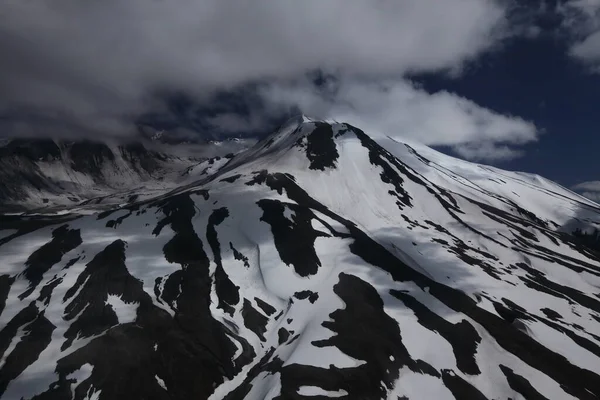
<point x="46" y="175"/>
<point x="320" y="263"/>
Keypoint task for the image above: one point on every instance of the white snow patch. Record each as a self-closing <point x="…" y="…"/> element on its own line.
<point x="126" y="312"/>
<point x="289" y="214"/>
<point x="419" y="386"/>
<point x="79" y="376"/>
<point x="160" y="382"/>
<point x="13" y="343"/>
<point x="317" y="391"/>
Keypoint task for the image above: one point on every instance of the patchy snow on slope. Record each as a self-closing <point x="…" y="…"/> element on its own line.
<point x="320" y="263"/>
<point x="126" y="312"/>
<point x="317" y="391"/>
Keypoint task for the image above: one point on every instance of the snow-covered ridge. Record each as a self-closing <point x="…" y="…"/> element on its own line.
<point x="47" y="175"/>
<point x="320" y="263"/>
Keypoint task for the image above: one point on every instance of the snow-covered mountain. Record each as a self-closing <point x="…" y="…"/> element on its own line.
<point x="46" y="175"/>
<point x="321" y="263"/>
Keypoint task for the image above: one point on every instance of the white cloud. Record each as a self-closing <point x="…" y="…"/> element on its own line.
<point x="588" y="50"/>
<point x="487" y="151"/>
<point x="94" y="64"/>
<point x="590" y="185"/>
<point x="590" y="189"/>
<point x="398" y="108"/>
<point x="582" y="21"/>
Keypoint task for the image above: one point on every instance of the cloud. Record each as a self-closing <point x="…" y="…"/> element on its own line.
<point x="232" y="123"/>
<point x="581" y="18"/>
<point x="91" y="67"/>
<point x="487" y="151"/>
<point x="588" y="8"/>
<point x="594" y="196"/>
<point x="590" y="185"/>
<point x="400" y="109"/>
<point x="590" y="189"/>
<point x="588" y="50"/>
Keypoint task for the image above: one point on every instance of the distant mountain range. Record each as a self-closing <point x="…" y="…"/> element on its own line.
<point x="44" y="174"/>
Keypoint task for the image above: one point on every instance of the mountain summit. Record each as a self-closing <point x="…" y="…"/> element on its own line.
<point x="320" y="263"/>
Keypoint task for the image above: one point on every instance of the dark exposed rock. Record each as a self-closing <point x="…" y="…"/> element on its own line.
<point x="254" y="320"/>
<point x="460" y="388"/>
<point x="89" y="157"/>
<point x="307" y="294"/>
<point x="41" y="260"/>
<point x="105" y="275"/>
<point x="294" y="240"/>
<point x="462" y="336"/>
<point x="227" y="291"/>
<point x="521" y="385"/>
<point x="266" y="307"/>
<point x="191" y="352"/>
<point x="283" y="335"/>
<point x="553" y="315"/>
<point x="321" y="149"/>
<point x="46" y="292"/>
<point x="6" y="282"/>
<point x="239" y="256"/>
<point x="36" y="336"/>
<point x="231" y="178"/>
<point x="31" y="149"/>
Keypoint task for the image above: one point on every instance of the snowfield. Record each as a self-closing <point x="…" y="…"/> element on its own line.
<point x="320" y="263"/>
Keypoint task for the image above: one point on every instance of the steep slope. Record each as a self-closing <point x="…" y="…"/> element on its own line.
<point x="319" y="264"/>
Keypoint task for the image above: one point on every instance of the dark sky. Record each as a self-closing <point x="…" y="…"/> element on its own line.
<point x="537" y="80"/>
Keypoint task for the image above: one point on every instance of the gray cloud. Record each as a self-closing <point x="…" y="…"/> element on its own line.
<point x="91" y="67"/>
<point x="594" y="196"/>
<point x="590" y="185"/>
<point x="101" y="61"/>
<point x="590" y="189"/>
<point x="581" y="18"/>
<point x="588" y="50"/>
<point x="398" y="108"/>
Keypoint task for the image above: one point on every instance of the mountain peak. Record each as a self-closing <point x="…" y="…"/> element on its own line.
<point x="320" y="262"/>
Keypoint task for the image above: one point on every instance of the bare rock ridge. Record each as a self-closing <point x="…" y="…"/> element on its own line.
<point x="319" y="263"/>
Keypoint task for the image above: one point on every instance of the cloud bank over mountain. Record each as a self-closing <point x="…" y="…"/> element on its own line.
<point x="94" y="68"/>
